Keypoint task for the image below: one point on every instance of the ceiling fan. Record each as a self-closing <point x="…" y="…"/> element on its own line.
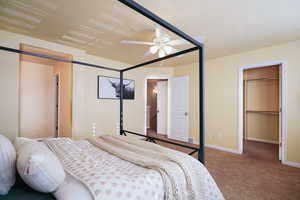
<point x="162" y="43"/>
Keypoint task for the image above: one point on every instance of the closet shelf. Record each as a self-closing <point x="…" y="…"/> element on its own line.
<point x="263" y="79"/>
<point x="263" y="112"/>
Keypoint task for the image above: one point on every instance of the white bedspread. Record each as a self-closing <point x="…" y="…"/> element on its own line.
<point x="116" y="178"/>
<point x="123" y="180"/>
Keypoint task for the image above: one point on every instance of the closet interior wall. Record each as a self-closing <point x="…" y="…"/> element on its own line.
<point x="262" y="104"/>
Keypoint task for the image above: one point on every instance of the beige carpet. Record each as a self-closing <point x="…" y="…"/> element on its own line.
<point x="255" y="175"/>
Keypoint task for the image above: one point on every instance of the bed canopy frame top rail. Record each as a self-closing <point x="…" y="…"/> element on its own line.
<point x="198" y="46"/>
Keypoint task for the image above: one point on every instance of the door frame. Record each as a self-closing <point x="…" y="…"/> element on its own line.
<point x="282" y="68"/>
<point x="146" y="96"/>
<point x="49" y="52"/>
<point x="57" y="109"/>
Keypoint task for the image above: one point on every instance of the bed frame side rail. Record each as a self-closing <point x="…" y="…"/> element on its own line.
<point x="154" y="139"/>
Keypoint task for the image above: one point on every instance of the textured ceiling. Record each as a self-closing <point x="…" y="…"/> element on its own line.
<point x="98" y="26"/>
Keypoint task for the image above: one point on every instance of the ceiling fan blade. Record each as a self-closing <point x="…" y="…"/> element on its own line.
<point x="177" y="42"/>
<point x="136" y="42"/>
<point x="169" y="49"/>
<point x="175" y="51"/>
<point x="183" y="41"/>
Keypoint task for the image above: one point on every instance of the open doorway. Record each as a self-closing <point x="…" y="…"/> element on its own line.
<point x="157" y="107"/>
<point x="45" y="95"/>
<point x="263" y="133"/>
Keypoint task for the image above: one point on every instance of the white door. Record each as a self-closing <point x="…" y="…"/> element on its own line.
<point x="179" y="108"/>
<point x="162" y="107"/>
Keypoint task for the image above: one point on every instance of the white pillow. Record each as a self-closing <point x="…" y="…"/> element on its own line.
<point x="7" y="165"/>
<point x="72" y="189"/>
<point x="39" y="167"/>
<point x="21" y="141"/>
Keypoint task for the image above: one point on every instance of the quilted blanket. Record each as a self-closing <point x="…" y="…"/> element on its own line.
<point x="121" y="168"/>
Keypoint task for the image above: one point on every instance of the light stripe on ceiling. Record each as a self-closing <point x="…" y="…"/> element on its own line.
<point x="47" y="4"/>
<point x="73" y="39"/>
<point x="16" y="22"/>
<point x="15" y="13"/>
<point x="28" y="8"/>
<point x="83" y="35"/>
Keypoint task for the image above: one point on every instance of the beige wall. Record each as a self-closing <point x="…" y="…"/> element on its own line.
<point x="9" y="107"/>
<point x="87" y="109"/>
<point x="9" y="77"/>
<point x="222" y="95"/>
<point x="9" y="90"/>
<point x="105" y="112"/>
<point x="221" y="89"/>
<point x="135" y="112"/>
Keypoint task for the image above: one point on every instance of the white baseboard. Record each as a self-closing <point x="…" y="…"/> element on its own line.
<point x="289" y="163"/>
<point x="196" y="142"/>
<point x="261" y="140"/>
<point x="223" y="149"/>
<point x="292" y="164"/>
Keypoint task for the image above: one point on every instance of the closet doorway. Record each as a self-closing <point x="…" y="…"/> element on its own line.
<point x="45" y="95"/>
<point x="157" y="107"/>
<point x="262" y="111"/>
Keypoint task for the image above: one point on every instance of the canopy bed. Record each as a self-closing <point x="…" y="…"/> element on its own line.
<point x="102" y="142"/>
<point x="198" y="47"/>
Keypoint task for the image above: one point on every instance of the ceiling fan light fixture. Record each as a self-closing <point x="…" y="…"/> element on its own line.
<point x="154" y="49"/>
<point x="161" y="53"/>
<point x="168" y="49"/>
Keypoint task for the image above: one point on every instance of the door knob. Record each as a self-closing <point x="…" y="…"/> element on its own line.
<point x="185" y="114"/>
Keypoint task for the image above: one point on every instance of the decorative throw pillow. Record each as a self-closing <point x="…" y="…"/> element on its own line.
<point x="7" y="165"/>
<point x="39" y="167"/>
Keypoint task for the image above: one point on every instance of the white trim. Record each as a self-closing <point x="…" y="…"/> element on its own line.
<point x="146" y="94"/>
<point x="292" y="164"/>
<point x="262" y="140"/>
<point x="223" y="148"/>
<point x="283" y="104"/>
